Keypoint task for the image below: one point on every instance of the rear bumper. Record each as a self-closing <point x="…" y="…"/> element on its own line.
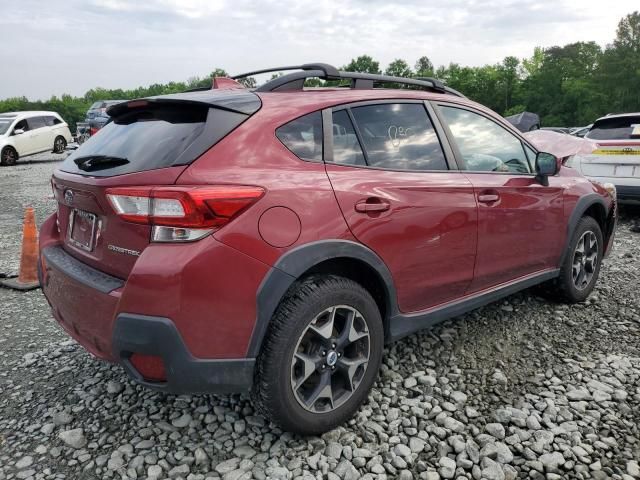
<point x="173" y="305"/>
<point x="185" y="374"/>
<point x="67" y="282"/>
<point x="628" y="193"/>
<point x="82" y="299"/>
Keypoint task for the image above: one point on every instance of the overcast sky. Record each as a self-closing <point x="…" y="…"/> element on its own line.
<point x="50" y="47"/>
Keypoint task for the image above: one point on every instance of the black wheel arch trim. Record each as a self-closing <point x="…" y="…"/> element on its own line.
<point x="299" y="260"/>
<point x="582" y="205"/>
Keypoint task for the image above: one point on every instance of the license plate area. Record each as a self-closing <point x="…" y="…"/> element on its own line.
<point x="82" y="229"/>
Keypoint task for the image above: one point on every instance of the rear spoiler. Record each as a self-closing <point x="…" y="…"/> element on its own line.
<point x="234" y="100"/>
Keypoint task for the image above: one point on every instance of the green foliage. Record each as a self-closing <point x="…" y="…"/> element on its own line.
<point x="570" y="85"/>
<point x="363" y="64"/>
<point x="424" y="67"/>
<point x="399" y="68"/>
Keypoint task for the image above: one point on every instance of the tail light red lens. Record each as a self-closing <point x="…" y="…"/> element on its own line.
<point x="183" y="207"/>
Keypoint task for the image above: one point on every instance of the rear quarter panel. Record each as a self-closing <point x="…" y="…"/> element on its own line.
<point x="253" y="155"/>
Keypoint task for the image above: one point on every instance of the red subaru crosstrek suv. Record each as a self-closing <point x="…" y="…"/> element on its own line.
<point x="272" y="240"/>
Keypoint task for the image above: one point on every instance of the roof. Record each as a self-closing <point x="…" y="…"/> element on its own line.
<point x="618" y="115"/>
<point x="26" y="114"/>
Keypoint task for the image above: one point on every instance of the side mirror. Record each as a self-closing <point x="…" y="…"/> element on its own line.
<point x="547" y="165"/>
<point x="18" y="131"/>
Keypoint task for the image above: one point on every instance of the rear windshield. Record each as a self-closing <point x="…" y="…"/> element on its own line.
<point x="616" y="128"/>
<point x="154" y="136"/>
<point x="96" y="105"/>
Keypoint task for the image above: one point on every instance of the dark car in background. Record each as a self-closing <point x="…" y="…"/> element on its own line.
<point x="96" y="118"/>
<point x="99" y="108"/>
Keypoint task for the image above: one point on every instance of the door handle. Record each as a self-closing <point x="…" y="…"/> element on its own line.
<point x="488" y="197"/>
<point x="372" y="205"/>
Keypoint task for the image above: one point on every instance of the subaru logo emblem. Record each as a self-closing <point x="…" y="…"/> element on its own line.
<point x="332" y="358"/>
<point x="68" y="197"/>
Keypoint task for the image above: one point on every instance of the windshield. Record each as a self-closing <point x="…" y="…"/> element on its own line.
<point x="616" y="128"/>
<point x="5" y="123"/>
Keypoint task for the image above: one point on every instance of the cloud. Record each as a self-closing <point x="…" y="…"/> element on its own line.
<point x="73" y="45"/>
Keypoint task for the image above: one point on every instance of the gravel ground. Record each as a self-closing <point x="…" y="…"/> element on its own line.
<point x="519" y="389"/>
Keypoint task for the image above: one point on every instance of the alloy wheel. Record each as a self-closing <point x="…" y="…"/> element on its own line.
<point x="330" y="359"/>
<point x="59" y="145"/>
<point x="8" y="157"/>
<point x="585" y="260"/>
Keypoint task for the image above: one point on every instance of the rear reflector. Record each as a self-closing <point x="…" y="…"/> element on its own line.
<point x="192" y="208"/>
<point x="151" y="367"/>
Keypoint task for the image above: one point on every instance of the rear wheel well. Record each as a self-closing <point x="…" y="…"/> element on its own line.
<point x="361" y="273"/>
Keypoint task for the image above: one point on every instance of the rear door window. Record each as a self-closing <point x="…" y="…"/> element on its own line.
<point x="616" y="128"/>
<point x="346" y="146"/>
<point x="36" y="122"/>
<point x="303" y="136"/>
<point x="399" y="136"/>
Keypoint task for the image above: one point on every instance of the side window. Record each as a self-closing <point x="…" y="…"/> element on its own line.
<point x="399" y="136"/>
<point x="21" y="125"/>
<point x="303" y="136"/>
<point x="484" y="145"/>
<point x="49" y="121"/>
<point x="35" y="122"/>
<point x="346" y="147"/>
<point x="56" y="121"/>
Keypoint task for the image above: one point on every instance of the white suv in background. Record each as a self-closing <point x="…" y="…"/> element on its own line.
<point x="27" y="133"/>
<point x="616" y="157"/>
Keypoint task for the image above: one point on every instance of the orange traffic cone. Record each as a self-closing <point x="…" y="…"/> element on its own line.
<point x="28" y="275"/>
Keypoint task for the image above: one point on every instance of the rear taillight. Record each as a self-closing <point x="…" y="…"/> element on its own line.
<point x="182" y="213"/>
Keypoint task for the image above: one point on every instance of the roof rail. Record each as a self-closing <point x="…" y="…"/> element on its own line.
<point x="328" y="71"/>
<point x="295" y="80"/>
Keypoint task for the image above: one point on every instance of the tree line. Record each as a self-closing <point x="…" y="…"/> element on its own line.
<point x="570" y="85"/>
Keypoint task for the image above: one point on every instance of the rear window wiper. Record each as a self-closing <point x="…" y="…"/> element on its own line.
<point x="92" y="163"/>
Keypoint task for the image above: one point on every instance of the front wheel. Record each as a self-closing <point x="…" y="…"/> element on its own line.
<point x="8" y="157"/>
<point x="321" y="355"/>
<point x="581" y="267"/>
<point x="59" y="144"/>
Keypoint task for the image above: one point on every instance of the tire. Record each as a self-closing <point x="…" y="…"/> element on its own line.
<point x="59" y="145"/>
<point x="8" y="157"/>
<point x="568" y="286"/>
<point x="296" y="327"/>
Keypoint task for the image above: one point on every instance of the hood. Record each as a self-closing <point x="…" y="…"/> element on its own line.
<point x="560" y="144"/>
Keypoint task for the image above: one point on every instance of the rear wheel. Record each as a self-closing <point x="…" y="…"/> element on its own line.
<point x="581" y="267"/>
<point x="59" y="144"/>
<point x="320" y="357"/>
<point x="8" y="157"/>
